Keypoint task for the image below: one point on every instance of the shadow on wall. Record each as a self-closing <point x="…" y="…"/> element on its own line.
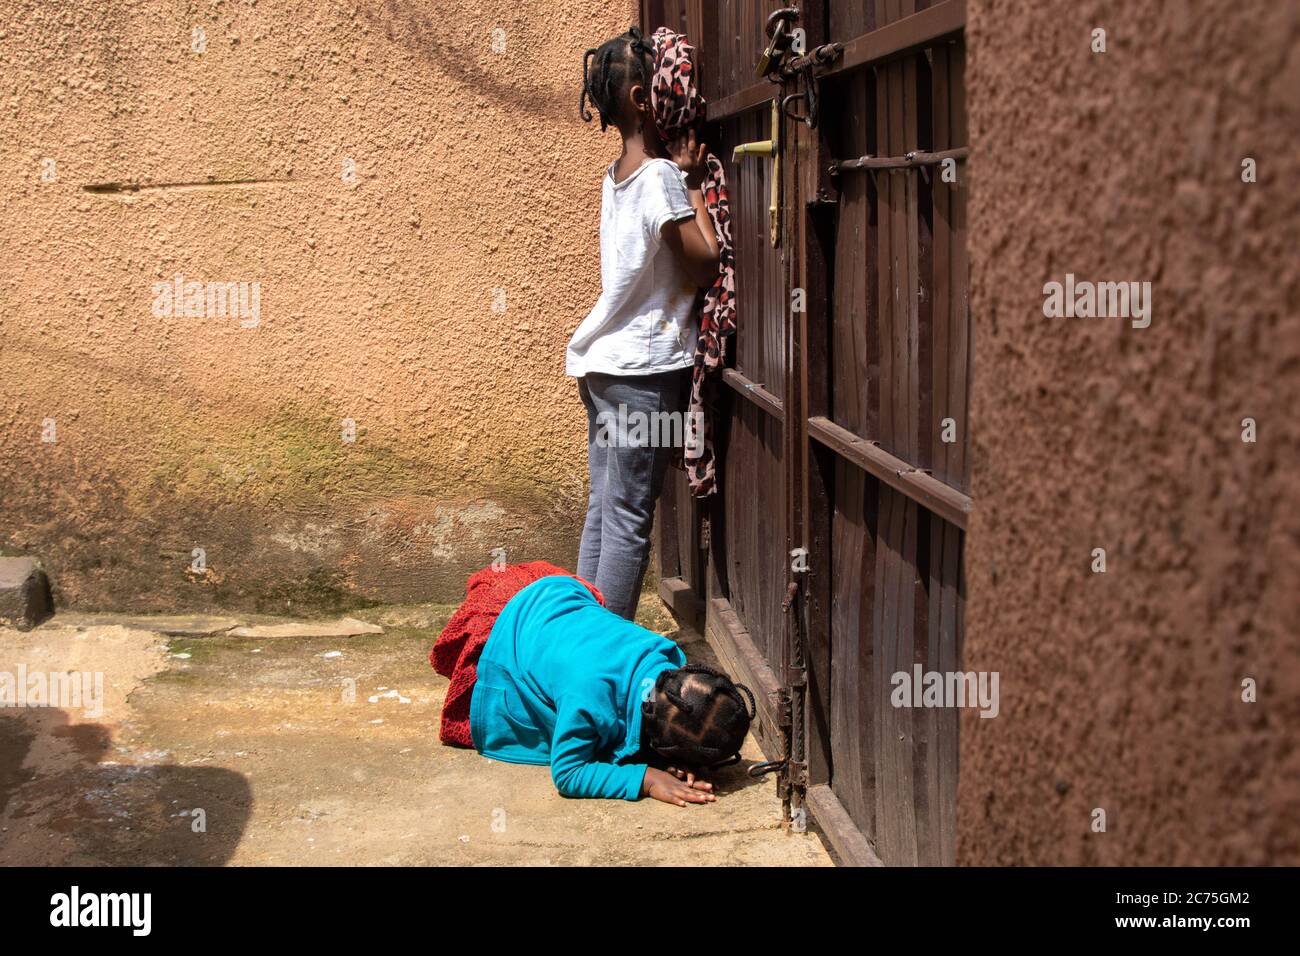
<point x="415" y="27"/>
<point x="61" y="802"/>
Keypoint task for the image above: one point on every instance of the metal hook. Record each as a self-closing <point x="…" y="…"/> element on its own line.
<point x="810" y="98"/>
<point x="785" y="107"/>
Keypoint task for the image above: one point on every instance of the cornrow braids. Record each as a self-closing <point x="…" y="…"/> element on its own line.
<point x="697" y="716"/>
<point x="618" y="63"/>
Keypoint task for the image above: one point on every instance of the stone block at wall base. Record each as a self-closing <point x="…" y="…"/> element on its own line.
<point x="25" y="598"/>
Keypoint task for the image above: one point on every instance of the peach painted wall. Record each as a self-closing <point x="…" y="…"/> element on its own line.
<point x="386" y="176"/>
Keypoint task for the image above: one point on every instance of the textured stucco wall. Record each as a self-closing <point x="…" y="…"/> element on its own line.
<point x="1122" y="690"/>
<point x="473" y="173"/>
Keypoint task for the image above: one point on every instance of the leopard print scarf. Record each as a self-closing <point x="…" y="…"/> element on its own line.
<point x="676" y="105"/>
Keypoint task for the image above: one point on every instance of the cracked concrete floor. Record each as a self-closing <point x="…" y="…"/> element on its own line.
<point x="316" y="750"/>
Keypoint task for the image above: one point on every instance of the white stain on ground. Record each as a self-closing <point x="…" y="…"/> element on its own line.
<point x="389" y="695"/>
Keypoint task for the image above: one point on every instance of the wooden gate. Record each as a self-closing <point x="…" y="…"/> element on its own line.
<point x="832" y="559"/>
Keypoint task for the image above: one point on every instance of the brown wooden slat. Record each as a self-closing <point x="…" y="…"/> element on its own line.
<point x="848" y="18"/>
<point x="898" y="37"/>
<point x="687" y="606"/>
<point x="669" y="13"/>
<point x="914" y="626"/>
<point x="776" y="317"/>
<point x="887" y="259"/>
<point x="922" y="132"/>
<point x="854" y="346"/>
<point x="850" y="846"/>
<point x="959" y="277"/>
<point x="940" y="499"/>
<point x="754" y="392"/>
<point x="686" y="513"/>
<point x="748" y="547"/>
<point x="750" y="98"/>
<point x="941" y="202"/>
<point x="884" y="627"/>
<point x="742" y="659"/>
<point x="943" y="654"/>
<point x="937" y="821"/>
<point x="666" y="545"/>
<point x="897" y="792"/>
<point x="924" y="744"/>
<point x="760" y="280"/>
<point x="908" y="300"/>
<point x="855" y="600"/>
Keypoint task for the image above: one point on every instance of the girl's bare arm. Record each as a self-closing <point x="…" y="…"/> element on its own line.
<point x="693" y="241"/>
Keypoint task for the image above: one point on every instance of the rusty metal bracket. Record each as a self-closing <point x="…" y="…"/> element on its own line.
<point x="915" y="159"/>
<point x="791" y="592"/>
<point x="821" y="200"/>
<point x="819" y="56"/>
<point x="796" y="773"/>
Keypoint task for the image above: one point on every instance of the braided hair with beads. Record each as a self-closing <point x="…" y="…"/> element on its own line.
<point x="609" y="71"/>
<point x="697" y="716"/>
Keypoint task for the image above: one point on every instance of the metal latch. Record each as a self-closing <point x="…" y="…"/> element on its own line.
<point x="758" y="769"/>
<point x="768" y="147"/>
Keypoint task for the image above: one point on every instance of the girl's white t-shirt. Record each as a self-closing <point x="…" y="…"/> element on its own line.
<point x="644" y="320"/>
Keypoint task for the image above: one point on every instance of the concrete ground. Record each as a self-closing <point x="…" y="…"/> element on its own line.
<point x="215" y="749"/>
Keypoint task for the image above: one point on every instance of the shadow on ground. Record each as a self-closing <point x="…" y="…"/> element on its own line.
<point x="91" y="810"/>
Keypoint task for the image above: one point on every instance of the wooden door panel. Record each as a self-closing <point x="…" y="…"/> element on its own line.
<point x="842" y="430"/>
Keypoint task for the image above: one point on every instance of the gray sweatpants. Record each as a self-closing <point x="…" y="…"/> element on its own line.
<point x="627" y="468"/>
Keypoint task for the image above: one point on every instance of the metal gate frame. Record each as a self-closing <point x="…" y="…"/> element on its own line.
<point x="927" y="478"/>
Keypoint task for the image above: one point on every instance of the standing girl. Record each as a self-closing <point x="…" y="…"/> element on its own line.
<point x="634" y="352"/>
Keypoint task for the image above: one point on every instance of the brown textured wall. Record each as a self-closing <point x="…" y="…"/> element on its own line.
<point x="473" y="173"/>
<point x="1122" y="690"/>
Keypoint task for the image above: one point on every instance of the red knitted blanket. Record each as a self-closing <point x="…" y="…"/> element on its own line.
<point x="456" y="652"/>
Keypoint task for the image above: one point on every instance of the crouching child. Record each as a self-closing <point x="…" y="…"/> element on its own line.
<point x="613" y="708"/>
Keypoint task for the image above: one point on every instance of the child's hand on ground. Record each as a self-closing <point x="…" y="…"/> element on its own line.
<point x="690" y="778"/>
<point x="676" y="787"/>
<point x="691" y="157"/>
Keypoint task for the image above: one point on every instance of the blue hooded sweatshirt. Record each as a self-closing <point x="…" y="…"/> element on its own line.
<point x="561" y="681"/>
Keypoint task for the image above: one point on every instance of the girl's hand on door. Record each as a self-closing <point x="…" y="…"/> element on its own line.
<point x="691" y="157"/>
